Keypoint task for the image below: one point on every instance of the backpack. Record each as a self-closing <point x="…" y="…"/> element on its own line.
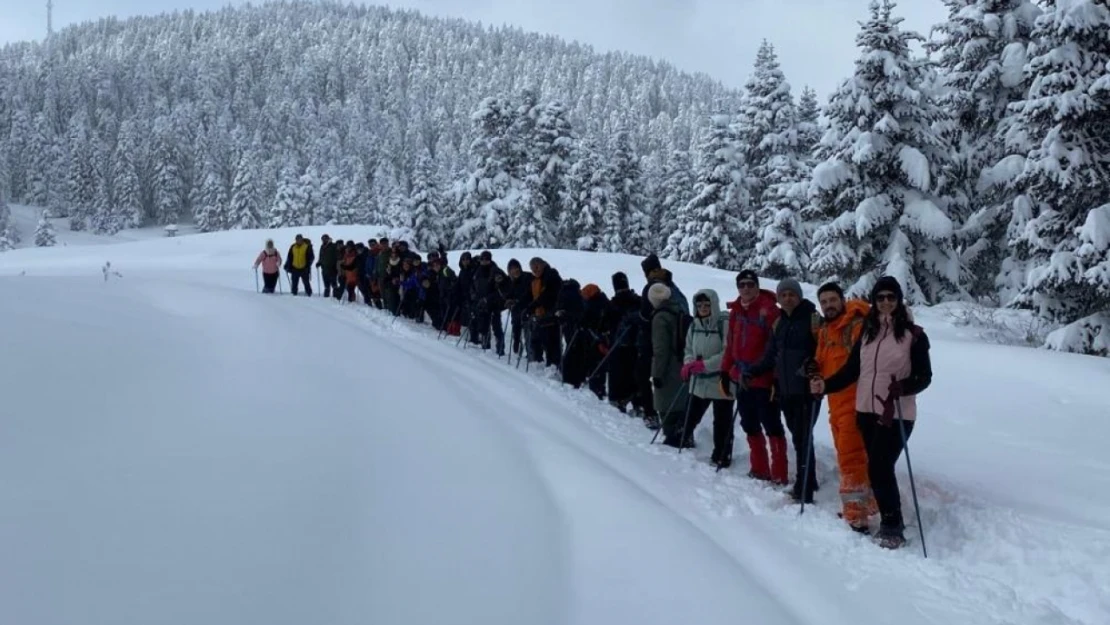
<point x="684" y="323"/>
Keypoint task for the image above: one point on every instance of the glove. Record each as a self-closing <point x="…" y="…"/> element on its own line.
<point x="685" y="372"/>
<point x="811" y="369"/>
<point x="894" y="392"/>
<point x="657" y="383"/>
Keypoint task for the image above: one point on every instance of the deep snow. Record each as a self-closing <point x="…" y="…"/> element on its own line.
<point x="178" y="449"/>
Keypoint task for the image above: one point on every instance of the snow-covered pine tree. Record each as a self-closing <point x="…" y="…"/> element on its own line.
<point x="213" y="206"/>
<point x="44" y="232"/>
<point x="329" y="193"/>
<point x="548" y="171"/>
<point x="1061" y="219"/>
<point x="767" y="121"/>
<point x="675" y="194"/>
<point x="81" y="182"/>
<point x="981" y="54"/>
<point x="489" y="195"/>
<point x="41" y="163"/>
<point x="591" y="195"/>
<point x="720" y="212"/>
<point x="426" y="206"/>
<point x="285" y="210"/>
<point x="875" y="187"/>
<point x="244" y="212"/>
<point x="349" y="206"/>
<point x="7" y="228"/>
<point x="782" y="250"/>
<point x="809" y="128"/>
<point x="169" y="186"/>
<point x="623" y="223"/>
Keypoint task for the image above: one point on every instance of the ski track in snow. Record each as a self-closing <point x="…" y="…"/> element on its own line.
<point x="1013" y="497"/>
<point x="1025" y="568"/>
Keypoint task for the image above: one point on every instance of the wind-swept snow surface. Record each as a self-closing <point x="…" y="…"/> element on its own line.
<point x="177" y="449"/>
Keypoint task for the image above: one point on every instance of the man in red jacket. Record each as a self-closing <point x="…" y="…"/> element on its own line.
<point x="750" y="322"/>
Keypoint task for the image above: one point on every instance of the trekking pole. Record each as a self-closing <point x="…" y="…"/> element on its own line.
<point x="731" y="435"/>
<point x="281" y="289"/>
<point x="612" y="349"/>
<point x="257" y="289"/>
<point x="809" y="452"/>
<point x="466" y="335"/>
<point x="661" y="424"/>
<point x="318" y="287"/>
<point x="566" y="352"/>
<point x="686" y="421"/>
<point x="913" y="487"/>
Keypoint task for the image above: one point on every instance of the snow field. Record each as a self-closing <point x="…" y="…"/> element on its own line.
<point x="189" y="472"/>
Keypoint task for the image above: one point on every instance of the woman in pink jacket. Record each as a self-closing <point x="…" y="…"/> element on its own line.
<point x="270" y="259"/>
<point x="891" y="363"/>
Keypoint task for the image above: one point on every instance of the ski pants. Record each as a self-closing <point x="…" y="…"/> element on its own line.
<point x="350" y="291"/>
<point x="297" y="276"/>
<point x="622" y="375"/>
<point x="722" y="423"/>
<point x="547" y="344"/>
<point x="331" y="283"/>
<point x="269" y="282"/>
<point x="884" y="446"/>
<point x="798" y="412"/>
<point x="758" y="414"/>
<point x="851" y="457"/>
<point x="484" y="322"/>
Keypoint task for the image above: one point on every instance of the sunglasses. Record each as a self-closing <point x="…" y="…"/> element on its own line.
<point x="886" y="297"/>
<point x="746" y="284"/>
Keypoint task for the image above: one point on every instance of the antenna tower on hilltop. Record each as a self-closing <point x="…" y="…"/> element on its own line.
<point x="49" y="17"/>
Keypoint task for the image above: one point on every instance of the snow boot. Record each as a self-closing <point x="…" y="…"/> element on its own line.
<point x="652" y="422"/>
<point x="779" y="466"/>
<point x="760" y="469"/>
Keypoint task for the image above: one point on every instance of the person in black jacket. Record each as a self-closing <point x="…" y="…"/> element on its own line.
<point x="624" y="327"/>
<point x="328" y="264"/>
<point x="487" y="303"/>
<point x="540" y="312"/>
<point x="790" y="353"/>
<point x="570" y="309"/>
<point x="463" y="285"/>
<point x="595" y="335"/>
<point x="516" y="290"/>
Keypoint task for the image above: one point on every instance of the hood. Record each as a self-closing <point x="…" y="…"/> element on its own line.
<point x="714" y="304"/>
<point x="764" y="297"/>
<point x="805" y="310"/>
<point x="853" y="309"/>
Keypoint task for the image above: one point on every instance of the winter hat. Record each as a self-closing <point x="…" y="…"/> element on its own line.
<point x="514" y="263"/>
<point x="831" y="286"/>
<point x="486" y="255"/>
<point x="620" y="281"/>
<point x="650" y="264"/>
<point x="789" y="284"/>
<point x="537" y="261"/>
<point x="747" y="274"/>
<point x="658" y="293"/>
<point x="590" y="291"/>
<point x="465" y="256"/>
<point x="887" y="283"/>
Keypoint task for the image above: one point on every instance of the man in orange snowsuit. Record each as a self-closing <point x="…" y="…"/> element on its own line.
<point x="837" y="334"/>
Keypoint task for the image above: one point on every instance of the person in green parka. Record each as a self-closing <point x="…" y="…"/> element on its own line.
<point x="671" y="394"/>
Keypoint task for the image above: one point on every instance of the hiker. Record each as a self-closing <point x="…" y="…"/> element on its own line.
<point x="487" y="303"/>
<point x="298" y="263"/>
<point x="840" y="328"/>
<point x="328" y="262"/>
<point x="595" y="335"/>
<point x="671" y="395"/>
<point x="270" y="260"/>
<point x="891" y="361"/>
<point x="350" y="268"/>
<point x="540" y="312"/>
<point x="516" y="290"/>
<point x="445" y="280"/>
<point x="371" y="273"/>
<point x="789" y="354"/>
<point x="391" y="284"/>
<point x="463" y="285"/>
<point x="570" y="308"/>
<point x="624" y="327"/>
<point x="750" y="319"/>
<point x="705" y="346"/>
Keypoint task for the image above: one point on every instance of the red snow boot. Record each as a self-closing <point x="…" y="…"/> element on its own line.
<point x="779" y="468"/>
<point x="760" y="470"/>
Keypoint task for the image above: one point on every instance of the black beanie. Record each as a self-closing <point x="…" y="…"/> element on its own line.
<point x="747" y="274"/>
<point x="831" y="286"/>
<point x="650" y="264"/>
<point x="887" y="283"/>
<point x="620" y="281"/>
<point x="513" y="263"/>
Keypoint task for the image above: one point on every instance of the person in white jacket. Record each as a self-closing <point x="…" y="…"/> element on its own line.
<point x="705" y="345"/>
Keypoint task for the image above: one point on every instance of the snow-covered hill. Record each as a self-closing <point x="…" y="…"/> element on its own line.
<point x="177" y="449"/>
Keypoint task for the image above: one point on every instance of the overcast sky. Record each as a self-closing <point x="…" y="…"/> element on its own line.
<point x="815" y="39"/>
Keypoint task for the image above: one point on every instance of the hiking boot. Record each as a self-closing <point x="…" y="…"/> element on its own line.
<point x="652" y="422"/>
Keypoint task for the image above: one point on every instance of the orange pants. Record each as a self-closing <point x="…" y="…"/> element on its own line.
<point x="851" y="456"/>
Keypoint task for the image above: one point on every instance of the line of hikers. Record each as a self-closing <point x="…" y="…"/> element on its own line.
<point x="770" y="358"/>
